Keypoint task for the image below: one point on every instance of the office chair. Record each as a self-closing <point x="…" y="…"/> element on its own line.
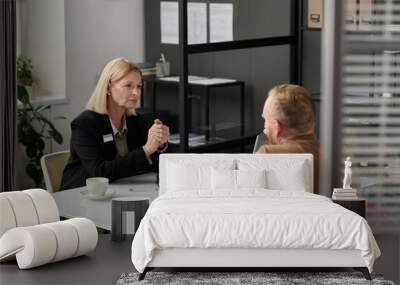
<point x="261" y="139"/>
<point x="53" y="165"/>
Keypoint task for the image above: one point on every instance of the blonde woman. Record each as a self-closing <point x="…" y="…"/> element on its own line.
<point x="109" y="139"/>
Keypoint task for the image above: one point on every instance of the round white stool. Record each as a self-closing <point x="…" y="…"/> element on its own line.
<point x="121" y="206"/>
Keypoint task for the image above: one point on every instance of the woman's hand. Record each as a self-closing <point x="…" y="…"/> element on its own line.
<point x="160" y="132"/>
<point x="151" y="145"/>
<point x="157" y="137"/>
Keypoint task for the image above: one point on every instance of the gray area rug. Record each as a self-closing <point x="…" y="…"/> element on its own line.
<point x="228" y="278"/>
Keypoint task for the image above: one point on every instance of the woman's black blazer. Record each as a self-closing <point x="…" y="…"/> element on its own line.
<point x="94" y="154"/>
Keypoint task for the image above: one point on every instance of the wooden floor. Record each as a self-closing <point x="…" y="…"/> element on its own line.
<point x="102" y="266"/>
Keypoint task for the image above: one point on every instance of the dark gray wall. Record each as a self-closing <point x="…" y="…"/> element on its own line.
<point x="312" y="68"/>
<point x="259" y="68"/>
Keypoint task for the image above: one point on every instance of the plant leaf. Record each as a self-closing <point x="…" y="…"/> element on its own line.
<point x="31" y="170"/>
<point x="22" y="95"/>
<point x="45" y="120"/>
<point x="56" y="136"/>
<point x="30" y="151"/>
<point x="42" y="108"/>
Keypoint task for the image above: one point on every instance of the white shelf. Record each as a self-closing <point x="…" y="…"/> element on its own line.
<point x="49" y="100"/>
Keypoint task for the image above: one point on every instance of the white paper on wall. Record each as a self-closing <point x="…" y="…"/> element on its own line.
<point x="197" y="23"/>
<point x="169" y="17"/>
<point x="221" y="22"/>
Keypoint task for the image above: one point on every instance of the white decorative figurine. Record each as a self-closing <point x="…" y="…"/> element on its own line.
<point x="347" y="174"/>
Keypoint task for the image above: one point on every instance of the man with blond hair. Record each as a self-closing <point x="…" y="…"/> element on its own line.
<point x="289" y="117"/>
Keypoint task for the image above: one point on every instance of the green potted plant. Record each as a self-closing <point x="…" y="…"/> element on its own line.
<point x="33" y="127"/>
<point x="24" y="73"/>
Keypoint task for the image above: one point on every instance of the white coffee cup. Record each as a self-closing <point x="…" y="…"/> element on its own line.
<point x="97" y="186"/>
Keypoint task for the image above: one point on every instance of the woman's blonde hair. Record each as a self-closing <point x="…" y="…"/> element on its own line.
<point x="114" y="71"/>
<point x="293" y="106"/>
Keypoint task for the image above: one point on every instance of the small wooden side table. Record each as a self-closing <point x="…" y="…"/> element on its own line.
<point x="358" y="206"/>
<point x="126" y="204"/>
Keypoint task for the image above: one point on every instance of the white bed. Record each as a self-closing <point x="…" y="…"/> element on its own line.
<point x="219" y="210"/>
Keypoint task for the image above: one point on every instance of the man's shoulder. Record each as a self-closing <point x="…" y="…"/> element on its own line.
<point x="280" y="148"/>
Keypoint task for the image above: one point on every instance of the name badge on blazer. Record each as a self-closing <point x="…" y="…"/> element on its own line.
<point x="108" y="138"/>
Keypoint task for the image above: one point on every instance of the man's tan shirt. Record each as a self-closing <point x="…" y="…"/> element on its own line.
<point x="299" y="144"/>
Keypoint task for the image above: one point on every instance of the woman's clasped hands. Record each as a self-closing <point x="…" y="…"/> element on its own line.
<point x="157" y="137"/>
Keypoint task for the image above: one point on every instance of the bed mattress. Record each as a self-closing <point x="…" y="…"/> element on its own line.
<point x="251" y="219"/>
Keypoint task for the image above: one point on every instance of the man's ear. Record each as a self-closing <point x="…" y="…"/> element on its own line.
<point x="278" y="128"/>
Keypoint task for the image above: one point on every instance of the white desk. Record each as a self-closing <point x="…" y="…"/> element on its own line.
<point x="71" y="203"/>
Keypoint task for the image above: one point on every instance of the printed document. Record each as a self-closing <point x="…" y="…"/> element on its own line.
<point x="169" y="22"/>
<point x="221" y="22"/>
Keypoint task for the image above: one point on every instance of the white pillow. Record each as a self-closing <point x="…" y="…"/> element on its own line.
<point x="295" y="180"/>
<point x="237" y="179"/>
<point x="251" y="178"/>
<point x="290" y="175"/>
<point x="189" y="175"/>
<point x="223" y="179"/>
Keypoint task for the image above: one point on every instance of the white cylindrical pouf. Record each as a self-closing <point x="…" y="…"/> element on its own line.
<point x="7" y="218"/>
<point x="34" y="246"/>
<point x="45" y="205"/>
<point x="23" y="208"/>
<point x="40" y="247"/>
<point x="87" y="234"/>
<point x="67" y="240"/>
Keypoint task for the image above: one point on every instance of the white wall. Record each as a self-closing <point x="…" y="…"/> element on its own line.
<point x="96" y="31"/>
<point x="41" y="37"/>
<point x="46" y="44"/>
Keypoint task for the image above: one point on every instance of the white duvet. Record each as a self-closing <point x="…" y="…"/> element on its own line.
<point x="253" y="218"/>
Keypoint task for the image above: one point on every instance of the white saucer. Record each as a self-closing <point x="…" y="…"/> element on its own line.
<point x="108" y="195"/>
